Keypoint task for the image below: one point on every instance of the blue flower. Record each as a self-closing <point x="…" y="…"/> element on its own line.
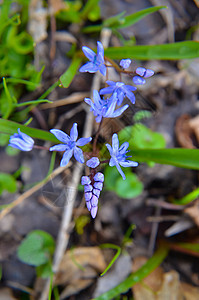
<point x="145" y="73"/>
<point x="69" y="145"/>
<point x="118" y="155"/>
<point x="104" y="108"/>
<point x="93" y="162"/>
<point x="21" y="141"/>
<point x="96" y="62"/>
<point x="121" y="91"/>
<point x="125" y="63"/>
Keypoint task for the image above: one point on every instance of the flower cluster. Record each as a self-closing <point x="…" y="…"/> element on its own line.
<point x="92" y="191"/>
<point x="109" y="107"/>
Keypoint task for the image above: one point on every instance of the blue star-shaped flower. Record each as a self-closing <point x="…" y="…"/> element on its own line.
<point x="104" y="108"/>
<point x="121" y="90"/>
<point x="118" y="155"/>
<point x="69" y="145"/>
<point x="96" y="62"/>
<point x="21" y="141"/>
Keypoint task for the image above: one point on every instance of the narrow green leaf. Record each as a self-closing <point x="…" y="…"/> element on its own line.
<point x="68" y="76"/>
<point x="188" y="198"/>
<point x="183" y="158"/>
<point x="135" y="17"/>
<point x="179" y="50"/>
<point x="11" y="127"/>
<point x="115" y="247"/>
<point x="136" y="277"/>
<point x="33" y="102"/>
<point x="88" y="7"/>
<point x="9" y="100"/>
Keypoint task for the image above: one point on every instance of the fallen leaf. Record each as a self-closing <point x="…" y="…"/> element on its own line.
<point x="184" y="132"/>
<point x="162" y="286"/>
<point x="78" y="269"/>
<point x="193" y="211"/>
<point x="194" y="125"/>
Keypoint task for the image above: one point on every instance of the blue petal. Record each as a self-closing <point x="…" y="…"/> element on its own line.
<point x="106" y="90"/>
<point x="109" y="149"/>
<point x="128" y="163"/>
<point x="74" y="132"/>
<point x="138" y="80"/>
<point x="85" y="180"/>
<point x="120" y="171"/>
<point x="59" y="147"/>
<point x="123" y="147"/>
<point x="148" y="73"/>
<point x="140" y="71"/>
<point x="93" y="162"/>
<point x="89" y="67"/>
<point x="78" y="153"/>
<point x="83" y="141"/>
<point x="96" y="98"/>
<point x="131" y="96"/>
<point x="60" y="135"/>
<point x="125" y="63"/>
<point x="94" y="211"/>
<point x="115" y="143"/>
<point x="130" y="87"/>
<point x="102" y="70"/>
<point x="90" y="54"/>
<point x="111" y="83"/>
<point x="100" y="49"/>
<point x="26" y="137"/>
<point x="112" y="162"/>
<point x="94" y="201"/>
<point x="20" y="144"/>
<point x="66" y="157"/>
<point x="110" y="110"/>
<point x="99" y="177"/>
<point x="119" y="111"/>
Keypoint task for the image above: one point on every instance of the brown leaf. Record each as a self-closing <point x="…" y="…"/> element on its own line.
<point x="184" y="132"/>
<point x="194" y="125"/>
<point x="78" y="269"/>
<point x="162" y="286"/>
<point x="57" y="5"/>
<point x="193" y="211"/>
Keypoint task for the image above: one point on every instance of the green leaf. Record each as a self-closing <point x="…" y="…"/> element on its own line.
<point x="111" y="176"/>
<point x="130" y="187"/>
<point x="70" y="73"/>
<point x="135" y="17"/>
<point x="8" y="183"/>
<point x="187" y="198"/>
<point x="139" y="136"/>
<point x="136" y="277"/>
<point x="9" y="101"/>
<point x="37" y="248"/>
<point x="111" y="246"/>
<point x="33" y="102"/>
<point x="11" y="127"/>
<point x="183" y="158"/>
<point x="88" y="8"/>
<point x="142" y="114"/>
<point x="179" y="50"/>
<point x="44" y="271"/>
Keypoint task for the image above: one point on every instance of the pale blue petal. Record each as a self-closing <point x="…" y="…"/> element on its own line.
<point x="26" y="137"/>
<point x="66" y="157"/>
<point x="111" y="83"/>
<point x="96" y="98"/>
<point x="89" y="67"/>
<point x="102" y="69"/>
<point x="94" y="201"/>
<point x="130" y="87"/>
<point x="148" y="73"/>
<point x="78" y="154"/>
<point x="83" y="141"/>
<point x="85" y="180"/>
<point x="20" y="144"/>
<point x="119" y="111"/>
<point x="112" y="162"/>
<point x="120" y="171"/>
<point x="123" y="147"/>
<point x="99" y="177"/>
<point x="93" y="162"/>
<point x="109" y="149"/>
<point x="109" y="113"/>
<point x="100" y="49"/>
<point x="60" y="135"/>
<point x="59" y="147"/>
<point x="131" y="96"/>
<point x="128" y="163"/>
<point x="74" y="132"/>
<point x="93" y="211"/>
<point x="115" y="143"/>
<point x="138" y="80"/>
<point x="140" y="71"/>
<point x="90" y="54"/>
<point x="106" y="90"/>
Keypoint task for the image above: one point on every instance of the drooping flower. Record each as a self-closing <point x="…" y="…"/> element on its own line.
<point x="145" y="73"/>
<point x="70" y="145"/>
<point x="92" y="191"/>
<point x="121" y="90"/>
<point x="93" y="162"/>
<point x="125" y="63"/>
<point x="96" y="62"/>
<point x="21" y="141"/>
<point x="118" y="155"/>
<point x="104" y="108"/>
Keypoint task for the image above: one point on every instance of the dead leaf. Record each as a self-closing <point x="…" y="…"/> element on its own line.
<point x="193" y="211"/>
<point x="184" y="132"/>
<point x="162" y="286"/>
<point x="6" y="294"/>
<point x="78" y="269"/>
<point x="37" y="25"/>
<point x="194" y="125"/>
<point x="57" y="5"/>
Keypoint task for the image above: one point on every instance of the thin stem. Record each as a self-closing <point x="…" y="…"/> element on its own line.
<point x="96" y="137"/>
<point x="114" y="65"/>
<point x="40" y="147"/>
